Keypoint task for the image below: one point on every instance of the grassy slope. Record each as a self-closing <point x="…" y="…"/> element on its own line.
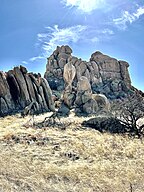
<point x="107" y="163"/>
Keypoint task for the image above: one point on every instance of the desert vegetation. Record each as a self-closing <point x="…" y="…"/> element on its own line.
<point x="129" y="112"/>
<point x="76" y="158"/>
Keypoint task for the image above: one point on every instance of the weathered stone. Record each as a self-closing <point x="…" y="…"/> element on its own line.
<point x="63" y="56"/>
<point x="30" y="87"/>
<point x="95" y="68"/>
<point x="3" y="106"/>
<point x="68" y="50"/>
<point x="55" y="64"/>
<point x="78" y="100"/>
<point x="59" y="72"/>
<point x="19" y="89"/>
<point x="90" y="107"/>
<point x="5" y="91"/>
<point x="87" y="74"/>
<point x="23" y="69"/>
<point x="45" y="107"/>
<point x="68" y="99"/>
<point x="3" y="85"/>
<point x="86" y="96"/>
<point x="82" y="68"/>
<point x="63" y="110"/>
<point x="102" y="101"/>
<point x="83" y="84"/>
<point x="24" y="95"/>
<point x="62" y="62"/>
<point x="28" y="109"/>
<point x="48" y="94"/>
<point x="124" y="73"/>
<point x="73" y="60"/>
<point x="69" y="73"/>
<point x="13" y="85"/>
<point x="116" y="86"/>
<point x="34" y="80"/>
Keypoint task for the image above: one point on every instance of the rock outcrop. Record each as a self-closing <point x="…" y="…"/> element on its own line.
<point x="85" y="86"/>
<point x="106" y="75"/>
<point x="81" y="97"/>
<point x="18" y="89"/>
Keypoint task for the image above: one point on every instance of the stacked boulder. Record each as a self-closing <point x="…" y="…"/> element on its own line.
<point x="87" y="86"/>
<point x="55" y="66"/>
<point x="18" y="89"/>
<point x="88" y="102"/>
<point x="106" y="75"/>
<point x="80" y="97"/>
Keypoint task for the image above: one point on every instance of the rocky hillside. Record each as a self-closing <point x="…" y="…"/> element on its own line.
<point x="18" y="89"/>
<point x="106" y="75"/>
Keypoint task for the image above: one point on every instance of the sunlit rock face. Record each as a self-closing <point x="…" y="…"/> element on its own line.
<point x="18" y="89"/>
<point x="105" y="74"/>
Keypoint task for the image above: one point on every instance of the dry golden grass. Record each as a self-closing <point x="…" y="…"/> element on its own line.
<point x="73" y="160"/>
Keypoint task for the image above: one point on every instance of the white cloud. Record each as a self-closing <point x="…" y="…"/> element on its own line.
<point x="127" y="17"/>
<point x="24" y="62"/>
<point x="108" y="32"/>
<point x="32" y="59"/>
<point x="86" y="6"/>
<point x="56" y="36"/>
<point x="140" y="11"/>
<point x="36" y="58"/>
<point x="94" y="39"/>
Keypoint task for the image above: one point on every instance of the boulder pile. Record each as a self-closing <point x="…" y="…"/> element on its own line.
<point x="18" y="89"/>
<point x="106" y="75"/>
<point x="87" y="86"/>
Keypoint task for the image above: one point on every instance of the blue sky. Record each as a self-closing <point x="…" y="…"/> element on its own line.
<point x="30" y="30"/>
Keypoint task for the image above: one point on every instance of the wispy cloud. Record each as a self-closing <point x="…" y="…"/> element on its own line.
<point x="86" y="6"/>
<point x="32" y="59"/>
<point x="108" y="31"/>
<point x="55" y="36"/>
<point x="36" y="58"/>
<point x="128" y="18"/>
<point x="24" y="62"/>
<point x="94" y="39"/>
<point x="59" y="36"/>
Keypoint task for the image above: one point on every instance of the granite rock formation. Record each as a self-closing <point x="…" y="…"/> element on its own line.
<point x="106" y="75"/>
<point x="18" y="89"/>
<point x="81" y="98"/>
<point x="85" y="86"/>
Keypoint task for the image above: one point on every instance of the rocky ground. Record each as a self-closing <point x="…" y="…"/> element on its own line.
<point x="67" y="158"/>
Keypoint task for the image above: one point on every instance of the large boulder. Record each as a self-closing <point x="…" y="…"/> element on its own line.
<point x="84" y="98"/>
<point x="102" y="101"/>
<point x="90" y="107"/>
<point x="69" y="73"/>
<point x="105" y="124"/>
<point x="83" y="84"/>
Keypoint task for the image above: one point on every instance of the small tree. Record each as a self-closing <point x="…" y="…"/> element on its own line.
<point x="130" y="111"/>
